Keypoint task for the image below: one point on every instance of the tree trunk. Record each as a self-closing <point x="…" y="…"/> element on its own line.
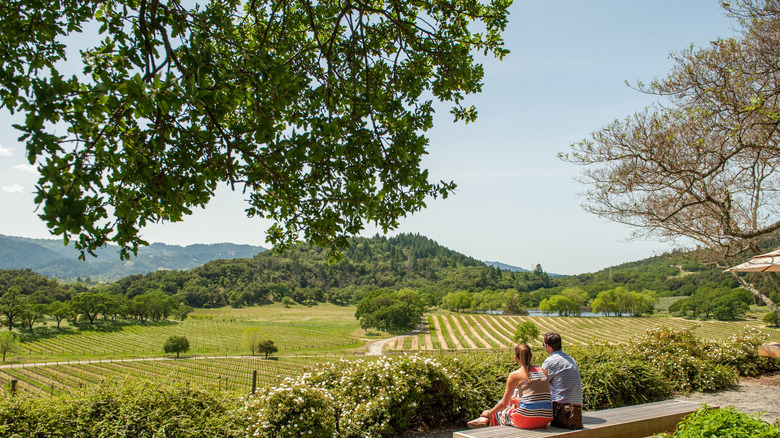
<point x="762" y="296"/>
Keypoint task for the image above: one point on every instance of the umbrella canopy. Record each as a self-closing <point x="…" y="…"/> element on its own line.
<point x="769" y="262"/>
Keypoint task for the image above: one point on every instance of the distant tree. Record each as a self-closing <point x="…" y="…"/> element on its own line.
<point x="390" y="310"/>
<point x="558" y="303"/>
<point x="59" y="311"/>
<point x="32" y="314"/>
<point x="12" y="304"/>
<point x="251" y="338"/>
<point x="182" y="311"/>
<point x="729" y="307"/>
<point x="576" y="294"/>
<point x="266" y="347"/>
<point x="7" y="343"/>
<point x="771" y="318"/>
<point x="526" y="332"/>
<point x="287" y="301"/>
<point x="89" y="304"/>
<point x="176" y="344"/>
<point x="461" y="300"/>
<point x="605" y="302"/>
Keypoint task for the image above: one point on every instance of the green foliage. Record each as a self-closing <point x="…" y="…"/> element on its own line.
<point x="693" y="364"/>
<point x="8" y="343"/>
<point x="292" y="410"/>
<point x="613" y="377"/>
<point x="718" y="302"/>
<point x="526" y="332"/>
<point x="182" y="311"/>
<point x="391" y="395"/>
<point x="379" y="398"/>
<point x="124" y="408"/>
<point x="176" y="344"/>
<point x="771" y="318"/>
<point x="251" y="337"/>
<point x="618" y="301"/>
<point x="561" y="305"/>
<point x="267" y="347"/>
<point x="482" y="377"/>
<point x="723" y="422"/>
<point x="325" y="134"/>
<point x="390" y="310"/>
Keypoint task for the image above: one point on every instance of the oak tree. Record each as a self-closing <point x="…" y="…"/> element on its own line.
<point x="176" y="344"/>
<point x="315" y="110"/>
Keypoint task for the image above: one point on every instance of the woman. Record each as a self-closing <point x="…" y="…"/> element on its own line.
<point x="526" y="402"/>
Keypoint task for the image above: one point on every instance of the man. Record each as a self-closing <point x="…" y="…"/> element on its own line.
<point x="565" y="384"/>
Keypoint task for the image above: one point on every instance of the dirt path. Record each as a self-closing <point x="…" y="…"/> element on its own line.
<point x="753" y="395"/>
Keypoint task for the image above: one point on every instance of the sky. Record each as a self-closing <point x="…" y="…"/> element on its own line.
<point x="516" y="202"/>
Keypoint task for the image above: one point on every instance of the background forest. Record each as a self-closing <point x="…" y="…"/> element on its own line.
<point x="375" y="270"/>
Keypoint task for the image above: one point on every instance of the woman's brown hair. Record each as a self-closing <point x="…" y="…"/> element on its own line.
<point x="524" y="355"/>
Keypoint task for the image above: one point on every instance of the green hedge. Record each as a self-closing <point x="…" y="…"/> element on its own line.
<point x="124" y="408"/>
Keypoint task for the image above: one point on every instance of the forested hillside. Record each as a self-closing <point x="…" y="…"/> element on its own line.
<point x="437" y="275"/>
<point x="49" y="257"/>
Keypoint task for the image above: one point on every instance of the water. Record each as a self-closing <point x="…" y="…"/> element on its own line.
<point x="534" y="312"/>
<point x="587" y="314"/>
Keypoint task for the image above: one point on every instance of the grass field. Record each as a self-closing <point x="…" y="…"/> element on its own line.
<point x="295" y="330"/>
<point x="304" y="335"/>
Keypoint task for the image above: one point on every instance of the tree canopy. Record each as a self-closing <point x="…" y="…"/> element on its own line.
<point x="702" y="162"/>
<point x="315" y="110"/>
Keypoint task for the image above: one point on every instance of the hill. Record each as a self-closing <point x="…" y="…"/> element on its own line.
<point x="49" y="257"/>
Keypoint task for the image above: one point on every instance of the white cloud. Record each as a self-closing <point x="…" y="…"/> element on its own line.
<point x="15" y="188"/>
<point x="26" y="168"/>
<point x="5" y="152"/>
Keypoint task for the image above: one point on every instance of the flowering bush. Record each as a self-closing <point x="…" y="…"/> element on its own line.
<point x="292" y="409"/>
<point x="695" y="364"/>
<point x="740" y="351"/>
<point x="361" y="398"/>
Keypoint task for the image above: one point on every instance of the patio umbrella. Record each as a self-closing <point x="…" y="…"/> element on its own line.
<point x="769" y="262"/>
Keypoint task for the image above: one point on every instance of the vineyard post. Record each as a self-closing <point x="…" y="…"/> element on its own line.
<point x="13" y="387"/>
<point x="254" y="381"/>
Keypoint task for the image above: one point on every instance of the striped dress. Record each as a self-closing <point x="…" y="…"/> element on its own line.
<point x="535" y="407"/>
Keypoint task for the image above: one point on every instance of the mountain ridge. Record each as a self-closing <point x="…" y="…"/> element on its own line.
<point x="51" y="258"/>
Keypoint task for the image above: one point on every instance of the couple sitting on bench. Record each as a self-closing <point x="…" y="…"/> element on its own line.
<point x="537" y="396"/>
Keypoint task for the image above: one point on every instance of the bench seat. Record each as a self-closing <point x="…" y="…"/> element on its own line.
<point x="635" y="421"/>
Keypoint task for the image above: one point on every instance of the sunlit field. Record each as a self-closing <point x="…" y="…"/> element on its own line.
<point x="53" y="361"/>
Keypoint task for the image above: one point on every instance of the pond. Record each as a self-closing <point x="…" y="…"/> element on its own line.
<point x="535" y="312"/>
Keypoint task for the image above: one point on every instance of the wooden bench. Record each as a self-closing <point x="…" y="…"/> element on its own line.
<point x="769" y="350"/>
<point x="625" y="422"/>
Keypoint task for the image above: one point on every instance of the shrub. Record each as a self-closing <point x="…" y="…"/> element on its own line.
<point x="293" y="409"/>
<point x="726" y="422"/>
<point x="482" y="376"/>
<point x="684" y="359"/>
<point x="613" y="377"/>
<point x="771" y="318"/>
<point x="124" y="408"/>
<point x="378" y="398"/>
<point x="740" y="351"/>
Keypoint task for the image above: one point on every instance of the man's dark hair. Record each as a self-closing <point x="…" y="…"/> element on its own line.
<point x="553" y="339"/>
